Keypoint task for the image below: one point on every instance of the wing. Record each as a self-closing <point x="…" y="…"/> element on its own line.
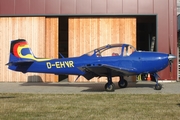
<point x="103" y="69"/>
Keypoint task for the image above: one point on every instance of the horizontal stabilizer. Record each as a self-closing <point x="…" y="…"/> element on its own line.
<point x="21" y="66"/>
<point x="17" y="63"/>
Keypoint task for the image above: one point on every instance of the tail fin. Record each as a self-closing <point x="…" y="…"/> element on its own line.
<point x="21" y="56"/>
<point x="20" y="50"/>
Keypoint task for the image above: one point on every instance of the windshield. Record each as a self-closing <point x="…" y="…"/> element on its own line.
<point x="113" y="50"/>
<point x="128" y="50"/>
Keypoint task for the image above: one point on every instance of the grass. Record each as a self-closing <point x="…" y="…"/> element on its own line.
<point x="89" y="106"/>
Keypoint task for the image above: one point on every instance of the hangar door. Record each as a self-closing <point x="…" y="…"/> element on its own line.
<point x="86" y="34"/>
<point x="41" y="34"/>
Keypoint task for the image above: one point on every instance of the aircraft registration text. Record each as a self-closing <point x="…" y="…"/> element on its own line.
<point x="62" y="64"/>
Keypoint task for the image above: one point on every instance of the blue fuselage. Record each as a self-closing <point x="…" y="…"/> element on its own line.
<point x="139" y="62"/>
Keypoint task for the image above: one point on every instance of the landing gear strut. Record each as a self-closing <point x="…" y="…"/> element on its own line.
<point x="157" y="86"/>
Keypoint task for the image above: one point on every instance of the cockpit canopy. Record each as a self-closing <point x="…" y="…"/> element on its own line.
<point x="113" y="50"/>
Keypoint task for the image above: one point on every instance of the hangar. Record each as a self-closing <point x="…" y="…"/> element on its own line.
<point x="74" y="27"/>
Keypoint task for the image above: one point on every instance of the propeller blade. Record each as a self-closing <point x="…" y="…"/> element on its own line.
<point x="170" y="66"/>
<point x="171" y="58"/>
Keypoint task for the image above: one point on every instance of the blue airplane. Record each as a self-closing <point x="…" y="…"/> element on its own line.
<point x="107" y="61"/>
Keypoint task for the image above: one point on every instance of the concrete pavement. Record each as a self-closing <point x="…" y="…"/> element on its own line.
<point x="80" y="88"/>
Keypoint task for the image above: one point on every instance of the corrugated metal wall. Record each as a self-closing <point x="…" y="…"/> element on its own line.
<point x="33" y="29"/>
<point x="86" y="34"/>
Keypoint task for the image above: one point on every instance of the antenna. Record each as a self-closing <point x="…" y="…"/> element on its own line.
<point x="61" y="55"/>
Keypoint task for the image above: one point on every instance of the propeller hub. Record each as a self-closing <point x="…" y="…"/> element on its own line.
<point x="171" y="57"/>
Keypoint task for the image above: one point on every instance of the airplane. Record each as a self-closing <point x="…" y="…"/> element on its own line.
<point x="112" y="60"/>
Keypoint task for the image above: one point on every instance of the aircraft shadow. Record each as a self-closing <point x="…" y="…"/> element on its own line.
<point x="178" y="104"/>
<point x="95" y="89"/>
<point x="89" y="87"/>
<point x="35" y="78"/>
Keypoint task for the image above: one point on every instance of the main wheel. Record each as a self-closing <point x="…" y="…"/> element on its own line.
<point x="109" y="88"/>
<point x="123" y="83"/>
<point x="158" y="87"/>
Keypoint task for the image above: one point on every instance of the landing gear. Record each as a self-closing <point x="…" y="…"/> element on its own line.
<point x="122" y="82"/>
<point x="109" y="86"/>
<point x="157" y="86"/>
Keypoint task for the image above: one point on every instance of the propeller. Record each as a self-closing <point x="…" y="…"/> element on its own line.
<point x="170" y="61"/>
<point x="170" y="57"/>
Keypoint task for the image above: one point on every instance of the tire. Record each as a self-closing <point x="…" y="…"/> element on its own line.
<point x="123" y="83"/>
<point x="110" y="88"/>
<point x="158" y="87"/>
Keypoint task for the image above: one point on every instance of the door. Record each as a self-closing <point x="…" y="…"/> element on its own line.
<point x="86" y="33"/>
<point x="41" y="35"/>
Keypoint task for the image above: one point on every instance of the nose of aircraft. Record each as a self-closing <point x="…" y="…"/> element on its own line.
<point x="171" y="57"/>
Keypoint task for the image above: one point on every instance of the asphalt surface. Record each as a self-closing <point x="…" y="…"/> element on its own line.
<point x="85" y="88"/>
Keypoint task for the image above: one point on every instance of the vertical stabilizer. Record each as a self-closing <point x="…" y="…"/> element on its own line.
<point x="20" y="50"/>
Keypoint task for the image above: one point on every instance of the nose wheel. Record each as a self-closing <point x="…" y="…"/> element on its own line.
<point x="157" y="86"/>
